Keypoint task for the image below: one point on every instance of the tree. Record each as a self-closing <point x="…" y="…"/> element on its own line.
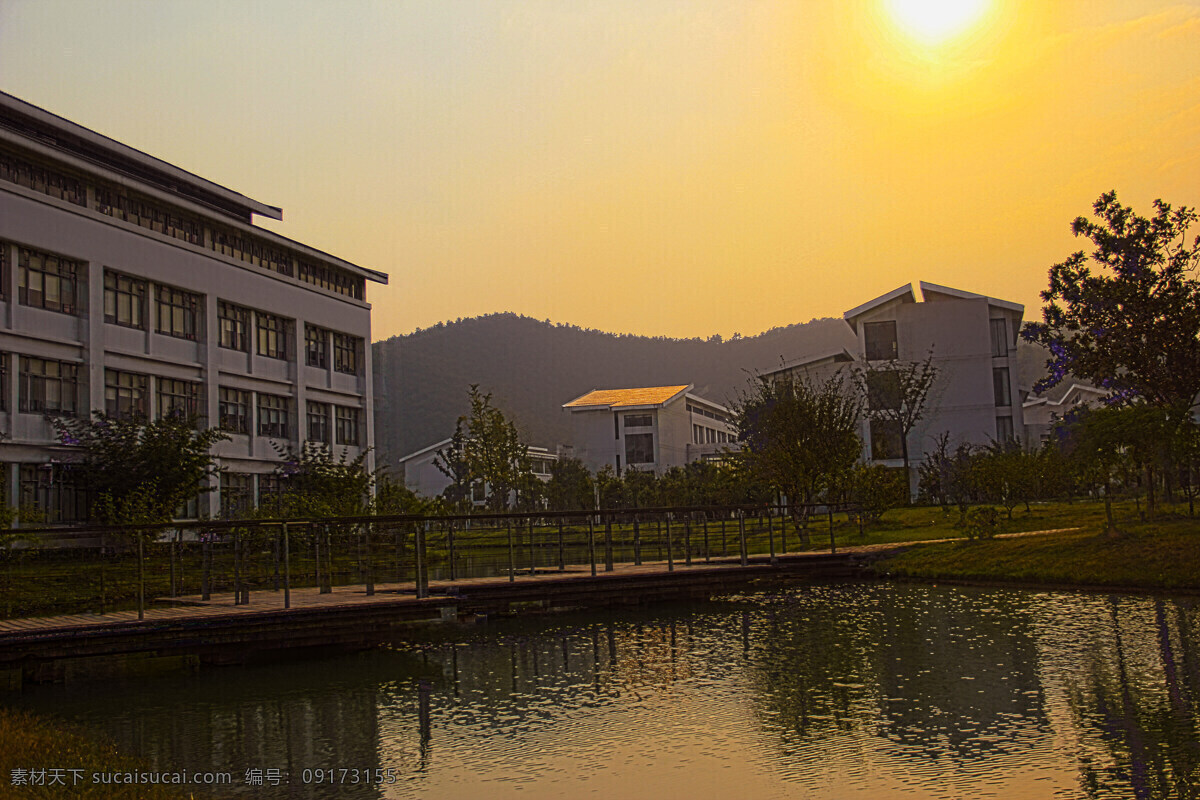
<point x="798" y="438"/>
<point x="894" y="393"/>
<point x="1134" y="327"/>
<point x="140" y="471"/>
<point x="313" y="483"/>
<point x="451" y="461"/>
<point x="487" y="449"/>
<point x="570" y="486"/>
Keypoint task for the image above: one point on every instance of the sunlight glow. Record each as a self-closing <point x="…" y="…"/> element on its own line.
<point x="935" y="21"/>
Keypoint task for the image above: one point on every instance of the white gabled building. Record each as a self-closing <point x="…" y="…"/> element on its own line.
<point x="422" y="475"/>
<point x="649" y="429"/>
<point x="973" y="343"/>
<point x="128" y="285"/>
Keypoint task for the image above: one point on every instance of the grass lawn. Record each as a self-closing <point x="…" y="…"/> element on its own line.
<point x="1162" y="554"/>
<point x="35" y="743"/>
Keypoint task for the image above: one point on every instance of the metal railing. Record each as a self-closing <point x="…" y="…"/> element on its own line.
<point x="97" y="569"/>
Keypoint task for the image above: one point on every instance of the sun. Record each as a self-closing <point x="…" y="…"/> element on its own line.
<point x="935" y="21"/>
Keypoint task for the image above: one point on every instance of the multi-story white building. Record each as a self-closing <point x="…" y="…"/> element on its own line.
<point x="650" y="429"/>
<point x="972" y="341"/>
<point x="128" y="285"/>
<point x="421" y="473"/>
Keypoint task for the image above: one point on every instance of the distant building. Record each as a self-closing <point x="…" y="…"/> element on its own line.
<point x="650" y="429"/>
<point x="422" y="476"/>
<point x="130" y="286"/>
<point x="972" y="340"/>
<point x="1042" y="413"/>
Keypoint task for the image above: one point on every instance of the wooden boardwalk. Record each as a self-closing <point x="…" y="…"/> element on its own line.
<point x="219" y="631"/>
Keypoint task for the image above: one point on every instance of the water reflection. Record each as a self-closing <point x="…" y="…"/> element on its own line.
<point x="873" y="690"/>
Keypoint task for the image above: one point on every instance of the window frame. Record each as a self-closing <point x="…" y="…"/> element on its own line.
<point x="233" y="404"/>
<point x="272" y="333"/>
<point x="639" y="448"/>
<point x="67" y="381"/>
<point x="172" y="395"/>
<point x="347" y="353"/>
<point x="233" y="326"/>
<point x="874" y="348"/>
<point x="347" y="423"/>
<point x="135" y="292"/>
<point x="65" y="275"/>
<point x="317" y="415"/>
<point x="138" y="396"/>
<point x="177" y="312"/>
<point x="273" y="418"/>
<point x="316" y="346"/>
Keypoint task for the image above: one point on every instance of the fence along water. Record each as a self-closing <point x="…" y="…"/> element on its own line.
<point x="102" y="569"/>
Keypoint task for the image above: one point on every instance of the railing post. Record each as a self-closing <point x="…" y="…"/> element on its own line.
<point x="399" y="554"/>
<point x="317" y="553"/>
<point x="637" y="542"/>
<point x="141" y="575"/>
<point x="724" y="541"/>
<point x="704" y="527"/>
<point x="275" y="547"/>
<point x="206" y="566"/>
<point x="782" y="532"/>
<point x="832" y="545"/>
<point x="562" y="552"/>
<point x="512" y="558"/>
<point x="670" y="547"/>
<point x="328" y="531"/>
<point x="742" y="536"/>
<point x="422" y="576"/>
<point x="592" y="543"/>
<point x="367" y="548"/>
<point x="287" y="568"/>
<point x="687" y="540"/>
<point x="237" y="568"/>
<point x="450" y="548"/>
<point x="771" y="536"/>
<point x="532" y="550"/>
<point x="174" y="543"/>
<point x="608" y="544"/>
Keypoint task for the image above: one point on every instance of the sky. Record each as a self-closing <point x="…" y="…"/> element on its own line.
<point x="660" y="168"/>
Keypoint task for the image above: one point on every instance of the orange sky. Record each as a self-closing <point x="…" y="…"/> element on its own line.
<point x="676" y="169"/>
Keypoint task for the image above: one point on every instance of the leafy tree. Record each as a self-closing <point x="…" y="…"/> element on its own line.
<point x="948" y="477"/>
<point x="492" y="450"/>
<point x="877" y="489"/>
<point x="1005" y="474"/>
<point x="1097" y="442"/>
<point x="1133" y="327"/>
<point x="894" y="393"/>
<point x="140" y="471"/>
<point x="797" y="438"/>
<point x="570" y="487"/>
<point x="451" y="461"/>
<point x="314" y="483"/>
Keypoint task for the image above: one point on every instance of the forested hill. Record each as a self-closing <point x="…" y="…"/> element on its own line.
<point x="533" y="367"/>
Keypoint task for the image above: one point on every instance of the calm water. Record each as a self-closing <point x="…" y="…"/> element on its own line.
<point x="858" y="691"/>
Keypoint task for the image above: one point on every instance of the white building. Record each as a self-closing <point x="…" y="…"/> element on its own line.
<point x="649" y="429"/>
<point x="128" y="285"/>
<point x="973" y="343"/>
<point x="422" y="475"/>
<point x="1044" y="412"/>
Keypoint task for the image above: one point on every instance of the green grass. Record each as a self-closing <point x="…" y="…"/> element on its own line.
<point x="36" y="743"/>
<point x="1162" y="554"/>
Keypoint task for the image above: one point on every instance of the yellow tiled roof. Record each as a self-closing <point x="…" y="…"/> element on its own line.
<point x="614" y="398"/>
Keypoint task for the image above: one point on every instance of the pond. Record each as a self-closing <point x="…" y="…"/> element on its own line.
<point x="818" y="691"/>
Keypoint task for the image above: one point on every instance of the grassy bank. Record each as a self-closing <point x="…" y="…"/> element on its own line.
<point x="35" y="743"/>
<point x="1163" y="554"/>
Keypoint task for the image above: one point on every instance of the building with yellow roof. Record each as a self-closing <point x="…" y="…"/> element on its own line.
<point x="650" y="428"/>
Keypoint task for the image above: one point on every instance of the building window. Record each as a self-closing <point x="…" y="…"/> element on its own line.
<point x="178" y="312"/>
<point x="346" y="353"/>
<point x="318" y="422"/>
<point x="54" y="490"/>
<point x="233" y="326"/>
<point x="1000" y="386"/>
<point x="3" y="268"/>
<point x="639" y="448"/>
<point x="41" y="179"/>
<point x="1004" y="429"/>
<point x="124" y="394"/>
<point x="639" y="420"/>
<point x="887" y="441"/>
<point x="316" y="346"/>
<point x="48" y="387"/>
<point x="883" y="390"/>
<point x="347" y="425"/>
<point x="273" y="415"/>
<point x="879" y="339"/>
<point x="3" y="383"/>
<point x="177" y="397"/>
<point x="999" y="337"/>
<point x="272" y="335"/>
<point x="46" y="281"/>
<point x="270" y="487"/>
<point x="124" y="300"/>
<point x="233" y="410"/>
<point x="237" y="493"/>
<point x="117" y="203"/>
<point x="335" y="280"/>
